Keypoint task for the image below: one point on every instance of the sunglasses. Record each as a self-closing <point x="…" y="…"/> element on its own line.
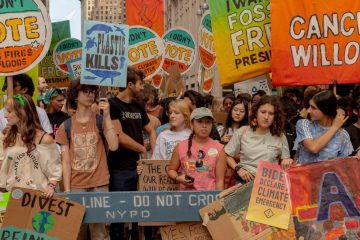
<point x="200" y="158"/>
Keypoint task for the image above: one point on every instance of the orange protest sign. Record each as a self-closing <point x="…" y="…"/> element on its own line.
<point x="25" y="35"/>
<point x="315" y="43"/>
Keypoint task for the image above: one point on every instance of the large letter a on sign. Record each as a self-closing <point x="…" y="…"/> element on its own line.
<point x="333" y="191"/>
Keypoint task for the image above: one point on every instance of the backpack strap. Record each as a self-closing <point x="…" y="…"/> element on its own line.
<point x="67" y="124"/>
<point x="99" y="125"/>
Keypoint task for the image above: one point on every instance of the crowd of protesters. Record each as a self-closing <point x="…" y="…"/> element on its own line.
<point x="88" y="144"/>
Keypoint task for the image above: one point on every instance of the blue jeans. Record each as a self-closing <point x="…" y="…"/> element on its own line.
<point x="123" y="180"/>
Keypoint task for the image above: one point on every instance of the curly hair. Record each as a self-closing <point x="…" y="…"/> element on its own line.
<point x="74" y="89"/>
<point x="277" y="127"/>
<point x="24" y="108"/>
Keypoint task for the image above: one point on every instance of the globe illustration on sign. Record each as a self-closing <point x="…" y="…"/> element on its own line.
<point x="43" y="222"/>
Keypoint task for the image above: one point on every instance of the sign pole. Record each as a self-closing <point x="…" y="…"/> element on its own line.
<point x="10" y="86"/>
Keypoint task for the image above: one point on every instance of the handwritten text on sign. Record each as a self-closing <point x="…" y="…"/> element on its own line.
<point x="164" y="206"/>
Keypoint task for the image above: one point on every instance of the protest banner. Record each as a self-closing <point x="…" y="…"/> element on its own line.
<point x="206" y="46"/>
<point x="226" y="217"/>
<point x="4" y="199"/>
<point x="146" y="50"/>
<point x="25" y="39"/>
<point x="154" y="176"/>
<point x="207" y="83"/>
<point x="180" y="50"/>
<point x="241" y="32"/>
<point x="165" y="206"/>
<point x="66" y="51"/>
<point x="269" y="202"/>
<point x="147" y="13"/>
<point x="104" y="54"/>
<point x="251" y="86"/>
<point x="29" y="215"/>
<point x="315" y="43"/>
<point x="74" y="67"/>
<point x="325" y="198"/>
<point x="47" y="69"/>
<point x="185" y="231"/>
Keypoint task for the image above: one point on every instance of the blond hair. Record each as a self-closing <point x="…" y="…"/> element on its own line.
<point x="184" y="108"/>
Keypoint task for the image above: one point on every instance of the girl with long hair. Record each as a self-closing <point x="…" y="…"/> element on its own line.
<point x="262" y="140"/>
<point x="179" y="124"/>
<point x="322" y="138"/>
<point x="29" y="156"/>
<point x="196" y="156"/>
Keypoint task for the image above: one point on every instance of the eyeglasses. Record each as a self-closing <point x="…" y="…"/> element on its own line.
<point x="200" y="158"/>
<point x="88" y="91"/>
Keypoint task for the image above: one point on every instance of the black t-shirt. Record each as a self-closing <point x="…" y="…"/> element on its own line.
<point x="56" y="119"/>
<point x="354" y="133"/>
<point x="133" y="118"/>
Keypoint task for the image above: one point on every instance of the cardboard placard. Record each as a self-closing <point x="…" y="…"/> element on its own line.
<point x="25" y="35"/>
<point x="207" y="54"/>
<point x="74" y="67"/>
<point x="251" y="86"/>
<point x="185" y="231"/>
<point x="154" y="176"/>
<point x="4" y="199"/>
<point x="105" y="54"/>
<point x="174" y="85"/>
<point x="31" y="216"/>
<point x="226" y="217"/>
<point x="220" y="117"/>
<point x="66" y="51"/>
<point x="270" y="200"/>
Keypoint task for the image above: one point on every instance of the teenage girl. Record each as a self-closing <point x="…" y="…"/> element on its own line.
<point x="179" y="124"/>
<point x="196" y="157"/>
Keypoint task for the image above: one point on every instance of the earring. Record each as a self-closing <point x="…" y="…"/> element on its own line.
<point x="253" y="122"/>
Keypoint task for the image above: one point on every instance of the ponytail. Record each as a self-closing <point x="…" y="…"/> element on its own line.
<point x="190" y="143"/>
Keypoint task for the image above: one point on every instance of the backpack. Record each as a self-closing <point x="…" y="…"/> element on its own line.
<point x="99" y="124"/>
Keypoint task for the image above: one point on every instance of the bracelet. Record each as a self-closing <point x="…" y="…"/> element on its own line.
<point x="237" y="168"/>
<point x="51" y="185"/>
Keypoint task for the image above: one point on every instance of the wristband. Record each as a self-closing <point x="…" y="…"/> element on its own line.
<point x="51" y="185"/>
<point x="237" y="168"/>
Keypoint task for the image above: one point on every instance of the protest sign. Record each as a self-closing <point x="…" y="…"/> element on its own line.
<point x="66" y="51"/>
<point x="326" y="195"/>
<point x="157" y="79"/>
<point x="185" y="231"/>
<point x="241" y="32"/>
<point x="251" y="86"/>
<point x="148" y="13"/>
<point x="154" y="176"/>
<point x="206" y="46"/>
<point x="25" y="39"/>
<point x="4" y="199"/>
<point x="173" y="86"/>
<point x="165" y="206"/>
<point x="104" y="54"/>
<point x="226" y="217"/>
<point x="74" y="67"/>
<point x="315" y="43"/>
<point x="146" y="50"/>
<point x="180" y="50"/>
<point x="47" y="69"/>
<point x="31" y="216"/>
<point x="269" y="202"/>
<point x="208" y="80"/>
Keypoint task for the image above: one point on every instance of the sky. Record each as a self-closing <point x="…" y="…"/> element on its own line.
<point x="67" y="10"/>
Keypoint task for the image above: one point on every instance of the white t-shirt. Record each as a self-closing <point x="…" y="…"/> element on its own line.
<point x="166" y="142"/>
<point x="44" y="120"/>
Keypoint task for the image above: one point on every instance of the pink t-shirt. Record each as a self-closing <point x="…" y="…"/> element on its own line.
<point x="204" y="174"/>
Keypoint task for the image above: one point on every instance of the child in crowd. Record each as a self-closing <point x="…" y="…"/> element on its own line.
<point x="179" y="125"/>
<point x="29" y="155"/>
<point x="196" y="157"/>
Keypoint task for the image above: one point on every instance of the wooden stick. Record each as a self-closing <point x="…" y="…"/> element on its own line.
<point x="10" y="86"/>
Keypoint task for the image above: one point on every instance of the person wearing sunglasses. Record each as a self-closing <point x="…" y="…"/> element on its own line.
<point x="83" y="149"/>
<point x="262" y="140"/>
<point x="29" y="156"/>
<point x="193" y="160"/>
<point x="54" y="99"/>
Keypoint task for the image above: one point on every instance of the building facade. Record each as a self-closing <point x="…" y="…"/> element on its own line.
<point x="103" y="10"/>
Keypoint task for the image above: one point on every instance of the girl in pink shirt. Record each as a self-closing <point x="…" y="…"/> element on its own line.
<point x="196" y="157"/>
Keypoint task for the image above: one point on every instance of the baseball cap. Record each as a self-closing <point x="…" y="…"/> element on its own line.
<point x="200" y="113"/>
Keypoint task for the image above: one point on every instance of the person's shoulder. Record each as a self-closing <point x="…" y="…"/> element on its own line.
<point x="304" y="123"/>
<point x="40" y="110"/>
<point x="47" y="139"/>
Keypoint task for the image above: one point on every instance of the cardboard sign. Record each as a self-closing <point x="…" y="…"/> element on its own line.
<point x="315" y="43"/>
<point x="185" y="231"/>
<point x="4" y="199"/>
<point x="146" y="50"/>
<point x="242" y="38"/>
<point x="31" y="216"/>
<point x="104" y="59"/>
<point x="25" y="39"/>
<point x="173" y="86"/>
<point x="225" y="218"/>
<point x="180" y="49"/>
<point x="326" y="195"/>
<point x="207" y="53"/>
<point x="74" y="67"/>
<point x="47" y="69"/>
<point x="270" y="202"/>
<point x="251" y="86"/>
<point x="208" y="80"/>
<point x="66" y="51"/>
<point x="157" y="79"/>
<point x="154" y="176"/>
